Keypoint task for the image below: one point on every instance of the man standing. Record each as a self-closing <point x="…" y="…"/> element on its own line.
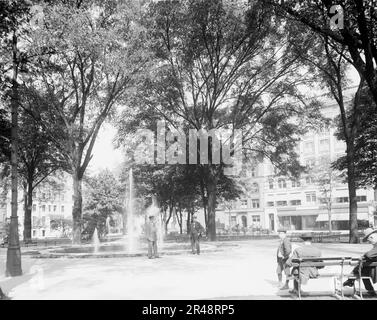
<point x="370" y="235"/>
<point x="196" y="230"/>
<point x="283" y="253"/>
<point x="151" y="235"/>
<point x="305" y="251"/>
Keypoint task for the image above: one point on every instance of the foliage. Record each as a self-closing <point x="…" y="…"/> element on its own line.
<point x="365" y="143"/>
<point x="102" y="199"/>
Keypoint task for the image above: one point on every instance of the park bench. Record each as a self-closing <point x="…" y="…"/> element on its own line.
<point x="358" y="292"/>
<point x="321" y="263"/>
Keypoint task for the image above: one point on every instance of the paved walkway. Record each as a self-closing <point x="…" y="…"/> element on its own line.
<point x="246" y="271"/>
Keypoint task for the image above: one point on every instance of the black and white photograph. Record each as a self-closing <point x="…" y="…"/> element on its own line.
<point x="193" y="153"/>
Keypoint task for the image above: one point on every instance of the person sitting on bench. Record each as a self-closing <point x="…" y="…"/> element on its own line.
<point x="305" y="251"/>
<point x="370" y="235"/>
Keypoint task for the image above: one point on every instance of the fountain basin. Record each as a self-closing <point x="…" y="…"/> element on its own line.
<point x="113" y="250"/>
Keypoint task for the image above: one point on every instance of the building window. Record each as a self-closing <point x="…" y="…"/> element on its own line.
<point x="309" y="147"/>
<point x="255" y="188"/>
<point x="310" y="163"/>
<point x="243" y="203"/>
<point x="43" y="208"/>
<point x="233" y="221"/>
<point x="253" y="172"/>
<point x="271" y="184"/>
<point x="281" y="203"/>
<point x="62" y="197"/>
<point x="54" y="208"/>
<point x="324" y="145"/>
<point x="311" y="197"/>
<point x="34" y="194"/>
<point x="34" y="207"/>
<point x="49" y="208"/>
<point x="342" y="199"/>
<point x="296" y="183"/>
<point x="282" y="183"/>
<point x="34" y="233"/>
<point x="62" y="209"/>
<point x="309" y="180"/>
<point x="255" y="203"/>
<point x="295" y="202"/>
<point x="43" y="221"/>
<point x="34" y="220"/>
<point x="255" y="219"/>
<point x="361" y="198"/>
<point x="270" y="204"/>
<point x="43" y="233"/>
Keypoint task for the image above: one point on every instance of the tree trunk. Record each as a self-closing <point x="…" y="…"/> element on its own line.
<point x="211" y="227"/>
<point x="188" y="222"/>
<point x="77" y="208"/>
<point x="353" y="227"/>
<point x="28" y="210"/>
<point x="168" y="219"/>
<point x="179" y="219"/>
<point x="13" y="266"/>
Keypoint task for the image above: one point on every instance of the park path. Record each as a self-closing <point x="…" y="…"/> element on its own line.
<point x="246" y="271"/>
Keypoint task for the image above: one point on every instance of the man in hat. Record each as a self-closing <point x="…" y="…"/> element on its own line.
<point x="151" y="235"/>
<point x="307" y="250"/>
<point x="196" y="230"/>
<point x="370" y="235"/>
<point x="283" y="252"/>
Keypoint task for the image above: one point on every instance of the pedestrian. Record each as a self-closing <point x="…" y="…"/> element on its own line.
<point x="283" y="252"/>
<point x="370" y="256"/>
<point x="151" y="235"/>
<point x="196" y="230"/>
<point x="307" y="250"/>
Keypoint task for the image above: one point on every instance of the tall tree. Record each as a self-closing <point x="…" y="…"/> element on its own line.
<point x="356" y="29"/>
<point x="96" y="54"/>
<point x="365" y="143"/>
<point x="327" y="61"/>
<point x="220" y="68"/>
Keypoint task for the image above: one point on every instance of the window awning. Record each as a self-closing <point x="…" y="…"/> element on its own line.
<point x="341" y="216"/>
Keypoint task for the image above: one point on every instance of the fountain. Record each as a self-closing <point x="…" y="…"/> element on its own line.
<point x="95" y="240"/>
<point x="134" y="223"/>
<point x="130" y="245"/>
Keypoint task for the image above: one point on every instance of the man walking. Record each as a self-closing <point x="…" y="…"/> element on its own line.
<point x="196" y="230"/>
<point x="151" y="235"/>
<point x="305" y="251"/>
<point x="370" y="235"/>
<point x="283" y="253"/>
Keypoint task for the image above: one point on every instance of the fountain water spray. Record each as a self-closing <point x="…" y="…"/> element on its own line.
<point x="95" y="240"/>
<point x="134" y="223"/>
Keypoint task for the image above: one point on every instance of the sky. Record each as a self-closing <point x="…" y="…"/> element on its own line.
<point x="105" y="156"/>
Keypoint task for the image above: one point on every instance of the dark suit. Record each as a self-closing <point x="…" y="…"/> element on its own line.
<point x="366" y="271"/>
<point x="196" y="231"/>
<point x="282" y="255"/>
<point x="306" y="273"/>
<point x="151" y="235"/>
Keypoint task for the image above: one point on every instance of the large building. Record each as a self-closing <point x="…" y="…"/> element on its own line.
<point x="304" y="204"/>
<point x="51" y="209"/>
